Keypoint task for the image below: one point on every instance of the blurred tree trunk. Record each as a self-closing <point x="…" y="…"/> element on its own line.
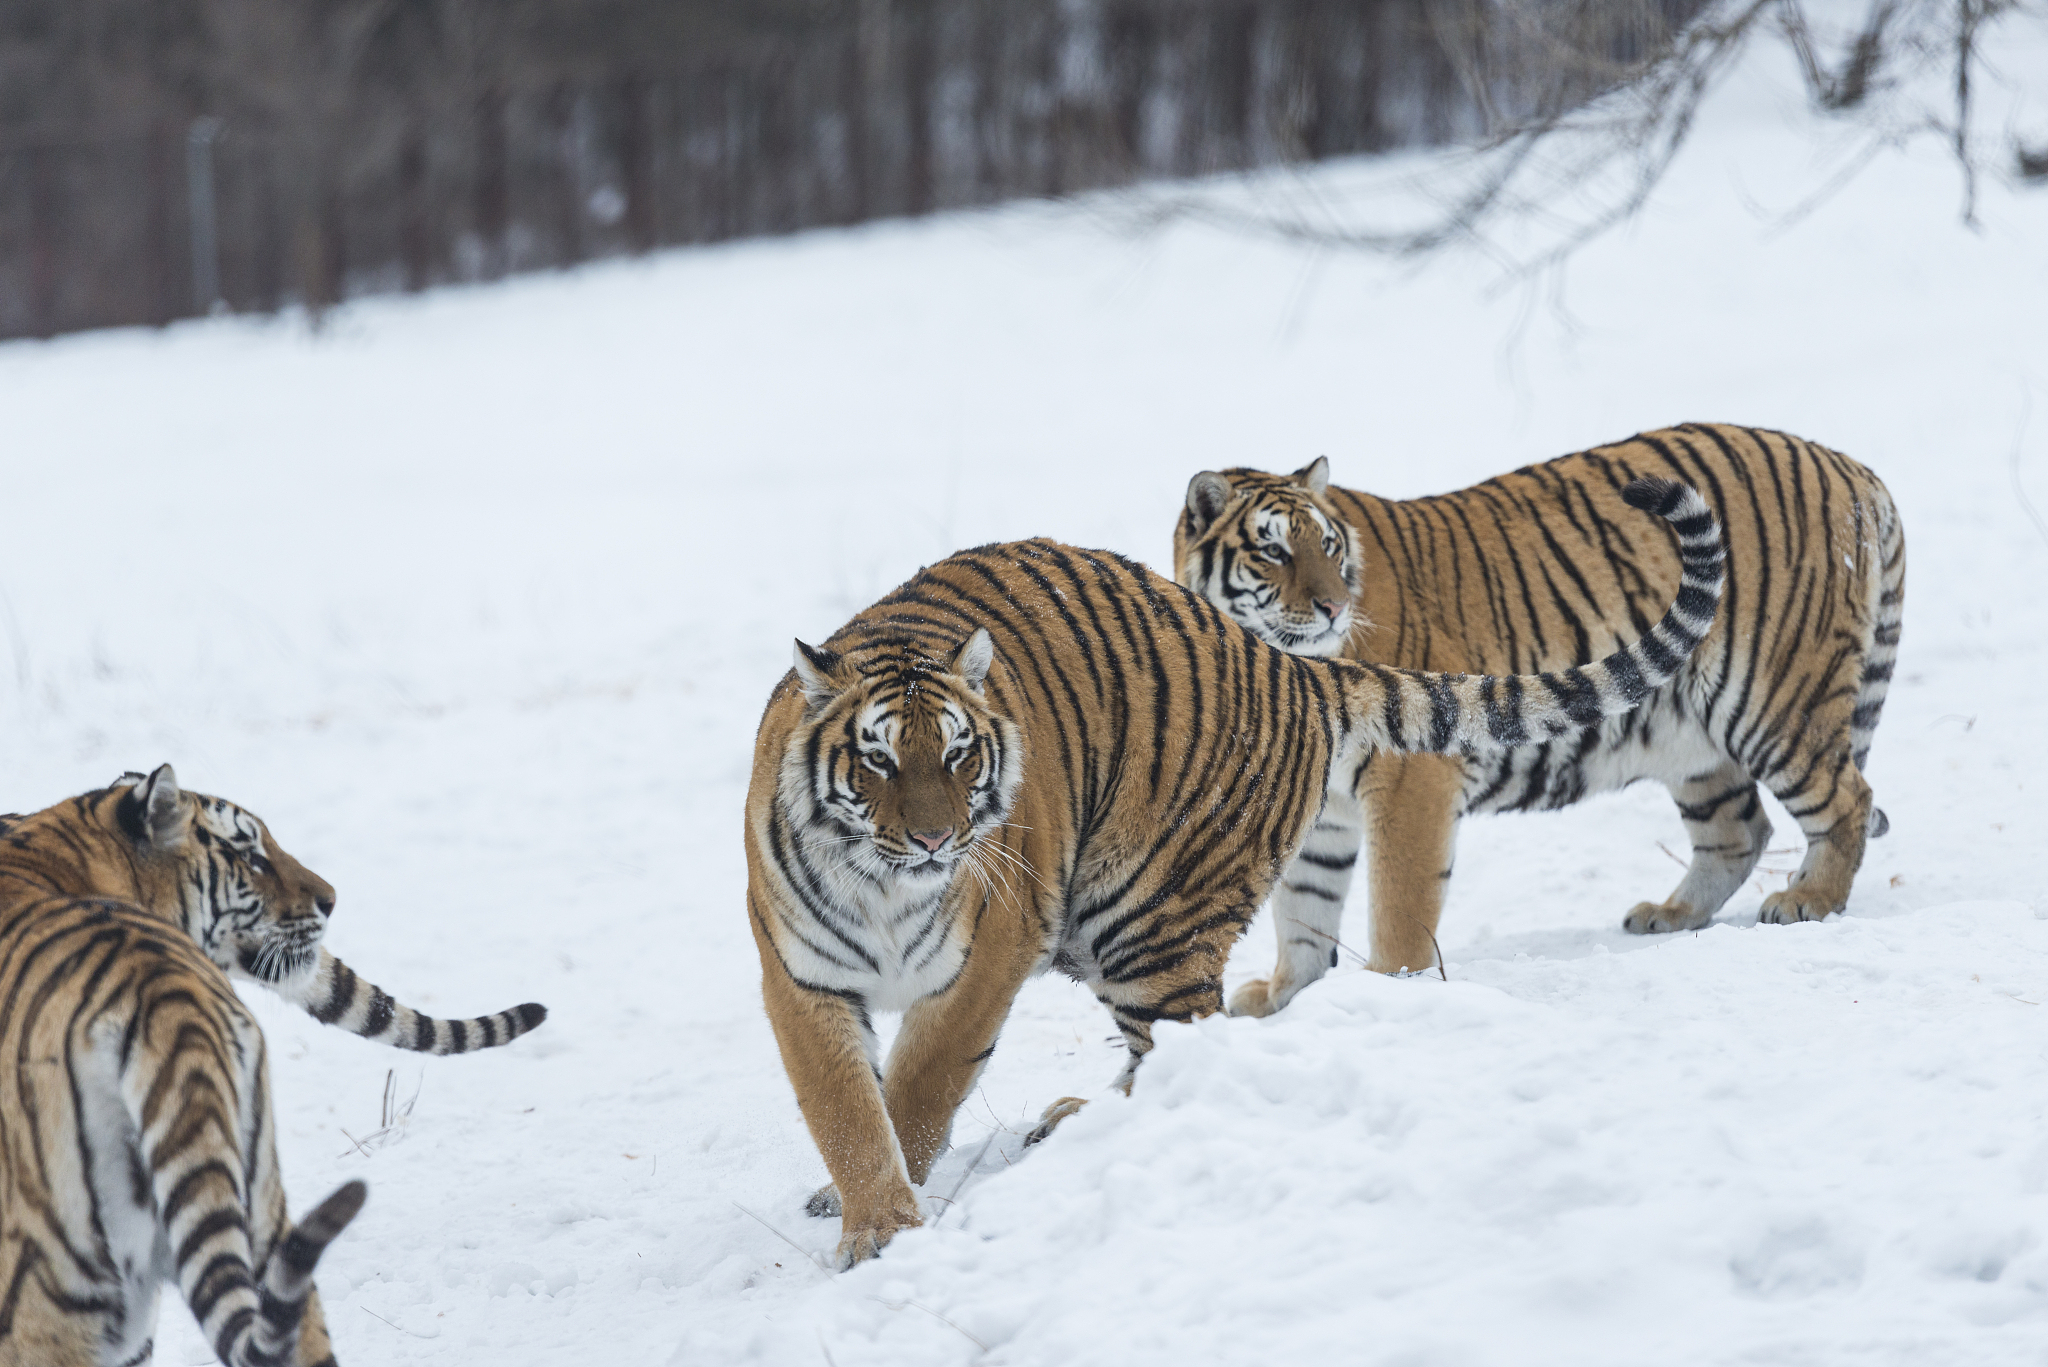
<point x="491" y="209"/>
<point x="163" y="297"/>
<point x="636" y="160"/>
<point x="43" y="229"/>
<point x="416" y="241"/>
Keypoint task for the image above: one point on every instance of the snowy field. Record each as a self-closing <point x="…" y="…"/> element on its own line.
<point x="476" y="598"/>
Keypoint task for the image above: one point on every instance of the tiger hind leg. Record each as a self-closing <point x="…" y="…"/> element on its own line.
<point x="1051" y="1118"/>
<point x="1724" y="815"/>
<point x="1411" y="805"/>
<point x="1835" y="809"/>
<point x="1166" y="966"/>
<point x="1308" y="909"/>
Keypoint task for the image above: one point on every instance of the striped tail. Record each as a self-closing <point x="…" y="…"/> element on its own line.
<point x="288" y="1277"/>
<point x="333" y="995"/>
<point x="1405" y="709"/>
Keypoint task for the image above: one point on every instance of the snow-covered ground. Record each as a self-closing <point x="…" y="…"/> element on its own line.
<point x="476" y="598"/>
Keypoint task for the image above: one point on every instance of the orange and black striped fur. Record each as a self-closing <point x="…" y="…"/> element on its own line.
<point x="137" y="1140"/>
<point x="1032" y="756"/>
<point x="1540" y="569"/>
<point x="253" y="909"/>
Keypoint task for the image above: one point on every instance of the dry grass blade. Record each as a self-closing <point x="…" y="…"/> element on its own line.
<point x="970" y="1171"/>
<point x="2019" y="437"/>
<point x="1318" y="930"/>
<point x="899" y="1305"/>
<point x="806" y="1254"/>
<point x="399" y="1327"/>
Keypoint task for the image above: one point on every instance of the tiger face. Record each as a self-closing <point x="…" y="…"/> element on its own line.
<point x="1273" y="555"/>
<point x="907" y="767"/>
<point x="256" y="911"/>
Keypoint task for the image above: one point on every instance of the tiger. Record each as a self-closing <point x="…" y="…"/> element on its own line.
<point x="256" y="912"/>
<point x="1535" y="570"/>
<point x="1031" y="756"/>
<point x="137" y="1135"/>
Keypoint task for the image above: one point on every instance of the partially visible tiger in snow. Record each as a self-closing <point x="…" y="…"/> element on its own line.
<point x="1031" y="756"/>
<point x="1542" y="569"/>
<point x="137" y="1142"/>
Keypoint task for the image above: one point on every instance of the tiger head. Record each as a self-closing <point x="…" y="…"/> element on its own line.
<point x="1271" y="552"/>
<point x="901" y="759"/>
<point x="254" y="910"/>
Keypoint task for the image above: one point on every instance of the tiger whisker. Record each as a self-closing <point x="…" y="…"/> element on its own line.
<point x="1017" y="861"/>
<point x="987" y="874"/>
<point x="835" y="840"/>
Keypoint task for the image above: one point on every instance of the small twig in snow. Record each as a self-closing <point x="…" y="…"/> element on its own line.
<point x="898" y="1306"/>
<point x="1318" y="930"/>
<point x="399" y="1327"/>
<point x="949" y="1200"/>
<point x="808" y="1256"/>
<point x="2020" y="490"/>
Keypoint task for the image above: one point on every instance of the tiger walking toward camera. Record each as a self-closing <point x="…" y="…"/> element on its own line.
<point x="1032" y="756"/>
<point x="1540" y="569"/>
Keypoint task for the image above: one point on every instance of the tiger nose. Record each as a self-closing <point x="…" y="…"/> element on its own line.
<point x="326" y="905"/>
<point x="1333" y="607"/>
<point x="931" y="840"/>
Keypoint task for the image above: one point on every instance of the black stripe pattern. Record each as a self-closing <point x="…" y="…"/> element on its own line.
<point x="1540" y="570"/>
<point x="1033" y="755"/>
<point x="140" y="1120"/>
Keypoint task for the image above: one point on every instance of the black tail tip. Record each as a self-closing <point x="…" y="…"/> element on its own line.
<point x="1653" y="495"/>
<point x="332" y="1216"/>
<point x="529" y="1016"/>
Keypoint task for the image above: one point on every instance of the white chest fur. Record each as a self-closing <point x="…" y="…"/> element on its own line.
<point x="890" y="939"/>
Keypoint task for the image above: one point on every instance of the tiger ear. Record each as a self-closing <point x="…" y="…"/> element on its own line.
<point x="1315" y="475"/>
<point x="971" y="661"/>
<point x="1208" y="495"/>
<point x="160" y="809"/>
<point x="817" y="672"/>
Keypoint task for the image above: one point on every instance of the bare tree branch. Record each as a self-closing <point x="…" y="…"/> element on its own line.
<point x="1612" y="151"/>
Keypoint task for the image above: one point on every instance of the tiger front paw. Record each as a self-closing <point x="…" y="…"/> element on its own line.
<point x="1050" y="1120"/>
<point x="1661" y="918"/>
<point x="1255" y="998"/>
<point x="823" y="1203"/>
<point x="864" y="1236"/>
<point x="1800" y="902"/>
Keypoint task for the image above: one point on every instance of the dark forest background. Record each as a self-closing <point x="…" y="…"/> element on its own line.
<point x="161" y="158"/>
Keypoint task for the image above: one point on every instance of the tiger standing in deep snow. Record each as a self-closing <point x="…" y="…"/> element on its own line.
<point x="1537" y="570"/>
<point x="1032" y="756"/>
<point x="137" y="1140"/>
